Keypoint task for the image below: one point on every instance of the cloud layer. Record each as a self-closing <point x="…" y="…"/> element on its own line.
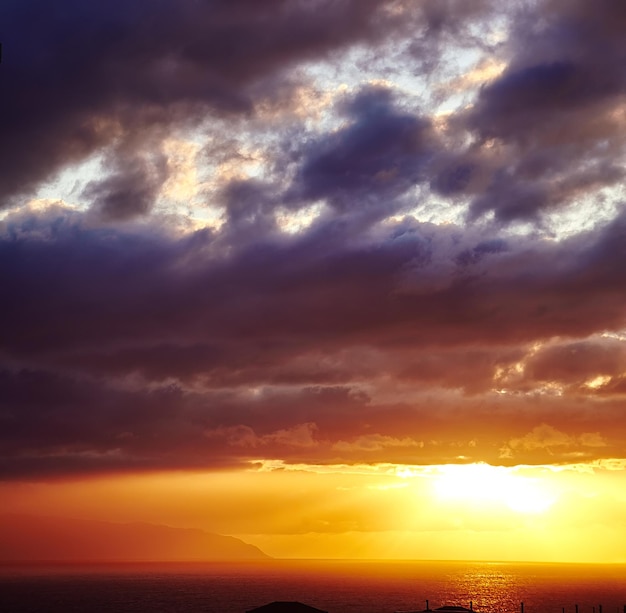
<point x="285" y="242"/>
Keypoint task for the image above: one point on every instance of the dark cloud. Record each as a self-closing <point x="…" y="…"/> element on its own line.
<point x="130" y="190"/>
<point x="104" y="320"/>
<point x="131" y="344"/>
<point x="378" y="156"/>
<point x="54" y="426"/>
<point x="522" y="100"/>
<point x="553" y="114"/>
<point x="578" y="361"/>
<point x="453" y="177"/>
<point x="566" y="68"/>
<point x="80" y="287"/>
<point x="80" y="77"/>
<point x="448" y="15"/>
<point x="481" y="250"/>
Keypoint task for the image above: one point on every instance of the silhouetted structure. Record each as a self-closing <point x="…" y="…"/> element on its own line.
<point x="285" y="607"/>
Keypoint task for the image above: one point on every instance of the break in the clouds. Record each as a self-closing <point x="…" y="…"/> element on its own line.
<point x="312" y="232"/>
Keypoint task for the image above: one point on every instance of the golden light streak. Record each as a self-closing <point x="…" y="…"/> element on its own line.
<point x="182" y="184"/>
<point x="598" y="382"/>
<point x="293" y="222"/>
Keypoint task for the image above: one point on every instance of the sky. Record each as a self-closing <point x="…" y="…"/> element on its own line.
<point x="344" y="278"/>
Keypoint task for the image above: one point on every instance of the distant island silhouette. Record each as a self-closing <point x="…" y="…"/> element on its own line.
<point x="299" y="607"/>
<point x="285" y="607"/>
<point x="32" y="538"/>
<point x="443" y="609"/>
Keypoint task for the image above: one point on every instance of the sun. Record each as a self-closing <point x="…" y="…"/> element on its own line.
<point x="483" y="483"/>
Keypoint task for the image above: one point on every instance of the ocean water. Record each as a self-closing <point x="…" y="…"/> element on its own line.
<point x="333" y="586"/>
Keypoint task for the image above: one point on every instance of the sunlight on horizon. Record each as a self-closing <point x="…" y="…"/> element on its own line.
<point x="390" y="511"/>
<point x="484" y="483"/>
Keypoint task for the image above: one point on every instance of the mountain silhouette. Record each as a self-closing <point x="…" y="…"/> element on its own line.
<point x="29" y="538"/>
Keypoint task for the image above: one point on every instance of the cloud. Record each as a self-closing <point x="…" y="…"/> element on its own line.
<point x="579" y="363"/>
<point x="130" y="190"/>
<point x="300" y="435"/>
<point x="553" y="114"/>
<point x="94" y="75"/>
<point x="542" y="437"/>
<point x="342" y="292"/>
<point x="376" y="442"/>
<point x="304" y="234"/>
<point x="136" y="323"/>
<point x="547" y="438"/>
<point x="379" y="155"/>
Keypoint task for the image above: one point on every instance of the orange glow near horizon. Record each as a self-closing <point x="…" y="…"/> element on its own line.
<point x="568" y="513"/>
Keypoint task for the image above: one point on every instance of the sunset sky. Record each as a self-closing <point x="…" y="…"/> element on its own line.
<point x="342" y="278"/>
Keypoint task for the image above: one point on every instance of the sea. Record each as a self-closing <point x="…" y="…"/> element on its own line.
<point x="332" y="586"/>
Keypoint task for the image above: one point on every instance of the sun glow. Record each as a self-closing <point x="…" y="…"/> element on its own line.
<point x="484" y="484"/>
<point x="384" y="511"/>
